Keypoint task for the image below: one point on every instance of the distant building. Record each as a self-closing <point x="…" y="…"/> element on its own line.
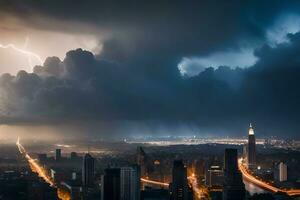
<point x="110" y="184"/>
<point x="283" y="176"/>
<point x="245" y="152"/>
<point x="42" y="157"/>
<point x="141" y="161"/>
<point x="179" y="188"/>
<point x="58" y="154"/>
<point x="130" y="183"/>
<point x="41" y="191"/>
<point x="233" y="187"/>
<point x="57" y="175"/>
<point x="214" y="176"/>
<point x="74" y="176"/>
<point x="88" y="170"/>
<point x="73" y="156"/>
<point x="251" y="149"/>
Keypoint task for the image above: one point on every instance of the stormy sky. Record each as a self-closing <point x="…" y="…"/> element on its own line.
<point x="151" y="67"/>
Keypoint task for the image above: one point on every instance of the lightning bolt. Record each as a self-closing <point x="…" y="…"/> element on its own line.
<point x="23" y="50"/>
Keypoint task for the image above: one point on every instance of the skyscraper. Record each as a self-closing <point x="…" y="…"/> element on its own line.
<point x="251" y="149"/>
<point x="130" y="183"/>
<point x="214" y="176"/>
<point x="88" y="170"/>
<point x="141" y="160"/>
<point x="179" y="186"/>
<point x="233" y="187"/>
<point x="282" y="172"/>
<point x="58" y="154"/>
<point x="110" y="187"/>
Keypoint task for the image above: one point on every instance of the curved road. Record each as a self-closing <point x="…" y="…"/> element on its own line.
<point x="249" y="177"/>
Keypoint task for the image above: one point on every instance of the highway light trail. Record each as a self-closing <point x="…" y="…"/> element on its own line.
<point x="35" y="167"/>
<point x="248" y="176"/>
<point x="200" y="192"/>
<point x="162" y="184"/>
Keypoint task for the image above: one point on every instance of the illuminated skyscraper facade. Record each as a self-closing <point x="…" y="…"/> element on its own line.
<point x="251" y="149"/>
<point x="282" y="172"/>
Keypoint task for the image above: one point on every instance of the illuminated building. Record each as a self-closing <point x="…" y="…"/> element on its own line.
<point x="88" y="170"/>
<point x="233" y="187"/>
<point x="281" y="174"/>
<point x="74" y="176"/>
<point x="110" y="184"/>
<point x="130" y="183"/>
<point x="251" y="149"/>
<point x="214" y="176"/>
<point x="58" y="154"/>
<point x="179" y="186"/>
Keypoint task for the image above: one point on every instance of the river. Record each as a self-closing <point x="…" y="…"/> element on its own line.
<point x="252" y="189"/>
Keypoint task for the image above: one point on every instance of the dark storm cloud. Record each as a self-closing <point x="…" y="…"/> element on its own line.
<point x="135" y="78"/>
<point x="84" y="88"/>
<point x="164" y="29"/>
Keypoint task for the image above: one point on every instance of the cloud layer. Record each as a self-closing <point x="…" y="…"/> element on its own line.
<point x="135" y="80"/>
<point x="83" y="88"/>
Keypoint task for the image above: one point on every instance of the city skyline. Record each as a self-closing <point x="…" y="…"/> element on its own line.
<point x="118" y="170"/>
<point x="149" y="100"/>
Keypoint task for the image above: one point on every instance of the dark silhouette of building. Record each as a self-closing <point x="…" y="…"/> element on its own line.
<point x="141" y="161"/>
<point x="157" y="194"/>
<point x="130" y="183"/>
<point x="233" y="187"/>
<point x="251" y="149"/>
<point x="110" y="186"/>
<point x="58" y="154"/>
<point x="74" y="189"/>
<point x="88" y="170"/>
<point x="179" y="188"/>
<point x="42" y="157"/>
<point x="73" y="156"/>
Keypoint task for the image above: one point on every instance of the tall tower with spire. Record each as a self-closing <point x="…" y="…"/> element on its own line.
<point x="251" y="150"/>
